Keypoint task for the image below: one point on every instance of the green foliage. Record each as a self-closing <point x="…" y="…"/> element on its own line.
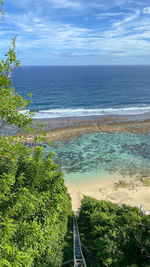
<point x="118" y="236"/>
<point x="1" y="9"/>
<point x="68" y="243"/>
<point x="11" y="103"/>
<point x="145" y="181"/>
<point x="34" y="207"/>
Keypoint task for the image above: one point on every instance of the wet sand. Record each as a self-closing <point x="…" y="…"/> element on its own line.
<point x="64" y="131"/>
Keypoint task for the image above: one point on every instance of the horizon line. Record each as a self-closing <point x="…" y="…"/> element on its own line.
<point x="100" y="65"/>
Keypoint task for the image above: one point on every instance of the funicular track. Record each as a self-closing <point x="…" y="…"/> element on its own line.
<point x="79" y="260"/>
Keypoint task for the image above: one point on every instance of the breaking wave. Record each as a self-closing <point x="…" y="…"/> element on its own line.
<point x="79" y="112"/>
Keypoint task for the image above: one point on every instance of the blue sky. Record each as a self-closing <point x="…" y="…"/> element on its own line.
<point x="78" y="32"/>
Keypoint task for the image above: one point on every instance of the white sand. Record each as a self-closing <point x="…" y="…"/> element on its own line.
<point x="135" y="194"/>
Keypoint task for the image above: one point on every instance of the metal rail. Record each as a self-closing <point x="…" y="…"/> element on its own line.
<point x="79" y="260"/>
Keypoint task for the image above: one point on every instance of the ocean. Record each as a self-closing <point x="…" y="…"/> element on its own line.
<point x="75" y="91"/>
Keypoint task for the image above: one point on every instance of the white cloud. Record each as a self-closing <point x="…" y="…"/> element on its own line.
<point x="48" y="36"/>
<point x="146" y="10"/>
<point x="65" y="4"/>
<point x="128" y="19"/>
<point x="39" y="33"/>
<point x="108" y="14"/>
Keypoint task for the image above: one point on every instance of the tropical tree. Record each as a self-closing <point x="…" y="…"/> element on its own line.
<point x="11" y="102"/>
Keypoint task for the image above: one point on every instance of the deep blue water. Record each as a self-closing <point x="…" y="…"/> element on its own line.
<point x="60" y="91"/>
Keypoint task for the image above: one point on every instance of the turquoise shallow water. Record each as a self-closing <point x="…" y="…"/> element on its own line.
<point x="100" y="155"/>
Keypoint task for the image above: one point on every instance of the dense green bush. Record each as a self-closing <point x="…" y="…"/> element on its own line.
<point x="34" y="207"/>
<point x="117" y="236"/>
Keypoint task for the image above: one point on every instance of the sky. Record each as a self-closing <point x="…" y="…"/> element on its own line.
<point x="78" y="32"/>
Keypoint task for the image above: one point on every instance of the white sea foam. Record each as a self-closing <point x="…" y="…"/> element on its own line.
<point x="26" y="111"/>
<point x="60" y="113"/>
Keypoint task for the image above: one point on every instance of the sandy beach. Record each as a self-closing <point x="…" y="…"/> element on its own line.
<point x="133" y="194"/>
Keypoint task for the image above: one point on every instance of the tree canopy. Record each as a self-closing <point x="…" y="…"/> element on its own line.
<point x="117" y="236"/>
